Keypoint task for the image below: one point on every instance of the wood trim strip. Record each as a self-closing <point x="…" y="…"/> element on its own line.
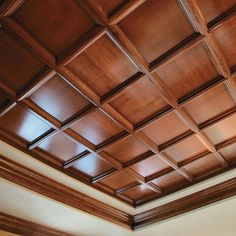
<point x="20" y="226"/>
<point x="36" y="182"/>
<point x="186" y="204"/>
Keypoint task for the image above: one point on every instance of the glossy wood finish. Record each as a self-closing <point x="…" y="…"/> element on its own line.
<point x="102" y="66"/>
<point x="149" y="19"/>
<point x="92" y="166"/>
<point x="22" y="123"/>
<point x="139" y="101"/>
<point x="61" y="147"/>
<point x="96" y="127"/>
<point x="187" y="149"/>
<point x="165" y="129"/>
<point x="222" y="131"/>
<point x="225" y="36"/>
<point x="229" y="153"/>
<point x="188" y="71"/>
<point x="127" y="149"/>
<point x="211" y="9"/>
<point x="104" y="100"/>
<point x="55" y="94"/>
<point x="17" y="64"/>
<point x="210" y="104"/>
<point x="66" y="14"/>
<point x="203" y="166"/>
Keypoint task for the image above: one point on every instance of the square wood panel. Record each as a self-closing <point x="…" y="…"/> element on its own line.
<point x="165" y="129"/>
<point x="186" y="149"/>
<point x="139" y="101"/>
<point x="102" y="66"/>
<point x="225" y="37"/>
<point x="117" y="181"/>
<point x="140" y="192"/>
<point x="170" y="181"/>
<point x="92" y="165"/>
<point x="158" y="32"/>
<point x="96" y="127"/>
<point x="222" y="131"/>
<point x="45" y="21"/>
<point x="22" y="123"/>
<point x="212" y="9"/>
<point x="210" y="104"/>
<point x="59" y="99"/>
<point x="61" y="147"/>
<point x="18" y="65"/>
<point x="203" y="166"/>
<point x="126" y="150"/>
<point x="150" y="166"/>
<point x="229" y="153"/>
<point x="188" y="71"/>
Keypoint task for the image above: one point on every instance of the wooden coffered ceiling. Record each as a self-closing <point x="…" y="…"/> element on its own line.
<point x="135" y="98"/>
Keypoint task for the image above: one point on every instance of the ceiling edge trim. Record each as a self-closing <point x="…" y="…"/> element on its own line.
<point x="17" y="225"/>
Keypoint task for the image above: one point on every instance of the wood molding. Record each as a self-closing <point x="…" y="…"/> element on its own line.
<point x="196" y="200"/>
<point x="16" y="225"/>
<point x="36" y="182"/>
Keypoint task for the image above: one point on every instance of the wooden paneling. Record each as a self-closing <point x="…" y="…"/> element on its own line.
<point x="210" y="104"/>
<point x="55" y="94"/>
<point x="102" y="66"/>
<point x="165" y="129"/>
<point x="61" y="147"/>
<point x="150" y="166"/>
<point x="34" y="15"/>
<point x="92" y="166"/>
<point x="222" y="131"/>
<point x="229" y="153"/>
<point x="170" y="181"/>
<point x="203" y="166"/>
<point x="212" y="9"/>
<point x="188" y="71"/>
<point x="100" y="88"/>
<point x="96" y="127"/>
<point x="225" y="37"/>
<point x="138" y="101"/>
<point x="139" y="192"/>
<point x="127" y="149"/>
<point x="17" y="65"/>
<point x="118" y="181"/>
<point x="159" y="33"/>
<point x="187" y="149"/>
<point x="22" y="123"/>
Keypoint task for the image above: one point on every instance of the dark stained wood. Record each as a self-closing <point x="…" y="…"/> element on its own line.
<point x="55" y="94"/>
<point x="187" y="149"/>
<point x="212" y="9"/>
<point x="186" y="204"/>
<point x="20" y="226"/>
<point x="210" y="104"/>
<point x="138" y="101"/>
<point x="68" y="15"/>
<point x="224" y="36"/>
<point x="96" y="127"/>
<point x="61" y="147"/>
<point x="22" y="123"/>
<point x="127" y="149"/>
<point x="188" y="72"/>
<point x="17" y="65"/>
<point x="106" y="97"/>
<point x="149" y="18"/>
<point x="102" y="61"/>
<point x="165" y="129"/>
